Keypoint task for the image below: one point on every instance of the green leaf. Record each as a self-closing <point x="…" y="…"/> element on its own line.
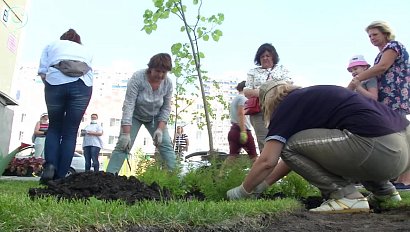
<point x="147" y="13"/>
<point x="158" y="3"/>
<point x="175" y="48"/>
<point x="148" y="30"/>
<point x="169" y="4"/>
<point x="174" y="10"/>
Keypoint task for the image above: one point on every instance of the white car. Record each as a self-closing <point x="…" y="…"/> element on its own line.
<point x="77" y="164"/>
<point x="199" y="159"/>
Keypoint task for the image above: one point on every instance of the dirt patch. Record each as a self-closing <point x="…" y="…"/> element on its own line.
<point x="103" y="186"/>
<point x="106" y="186"/>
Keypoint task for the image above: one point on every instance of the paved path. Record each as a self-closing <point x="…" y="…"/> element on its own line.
<point x="23" y="178"/>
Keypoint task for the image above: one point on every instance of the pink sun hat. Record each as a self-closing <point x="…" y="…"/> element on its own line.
<point x="357" y="60"/>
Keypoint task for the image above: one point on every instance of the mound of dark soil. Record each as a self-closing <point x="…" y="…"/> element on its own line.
<point x="103" y="186"/>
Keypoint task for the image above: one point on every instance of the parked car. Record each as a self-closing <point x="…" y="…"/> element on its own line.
<point x="77" y="164"/>
<point x="200" y="159"/>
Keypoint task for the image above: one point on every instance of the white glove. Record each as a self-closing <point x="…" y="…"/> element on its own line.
<point x="237" y="193"/>
<point x="124" y="142"/>
<point x="157" y="137"/>
<point x="260" y="188"/>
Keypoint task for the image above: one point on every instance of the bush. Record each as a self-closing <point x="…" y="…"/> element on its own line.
<point x="24" y="167"/>
<point x="292" y="185"/>
<point x="212" y="182"/>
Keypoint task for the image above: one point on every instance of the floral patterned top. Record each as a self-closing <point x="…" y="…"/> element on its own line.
<point x="394" y="84"/>
<point x="258" y="76"/>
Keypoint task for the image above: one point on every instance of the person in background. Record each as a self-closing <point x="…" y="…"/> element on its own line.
<point x="368" y="88"/>
<point x="39" y="135"/>
<point x="67" y="98"/>
<point x="147" y="102"/>
<point x="92" y="143"/>
<point x="181" y="142"/>
<point x="267" y="59"/>
<point x="240" y="134"/>
<point x="392" y="69"/>
<point x="332" y="137"/>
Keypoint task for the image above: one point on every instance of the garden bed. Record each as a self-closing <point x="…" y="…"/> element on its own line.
<point x="105" y="186"/>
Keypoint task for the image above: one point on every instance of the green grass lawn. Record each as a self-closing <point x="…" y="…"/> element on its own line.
<point x="19" y="213"/>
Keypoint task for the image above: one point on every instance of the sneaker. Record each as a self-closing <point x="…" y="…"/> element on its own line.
<point x="377" y="199"/>
<point x="343" y="205"/>
<point x="48" y="173"/>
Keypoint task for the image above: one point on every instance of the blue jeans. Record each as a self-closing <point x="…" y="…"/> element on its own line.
<point x="91" y="153"/>
<point x="66" y="105"/>
<point x="165" y="148"/>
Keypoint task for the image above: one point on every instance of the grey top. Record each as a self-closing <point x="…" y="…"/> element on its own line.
<point x="239" y="101"/>
<point x="370" y="83"/>
<point x="145" y="104"/>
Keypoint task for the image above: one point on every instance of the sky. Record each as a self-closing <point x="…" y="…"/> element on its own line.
<point x="314" y="39"/>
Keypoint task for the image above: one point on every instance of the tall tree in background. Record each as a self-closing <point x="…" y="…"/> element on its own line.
<point x="188" y="55"/>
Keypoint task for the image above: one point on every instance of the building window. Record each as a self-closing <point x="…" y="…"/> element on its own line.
<point x="115" y="122"/>
<point x="23" y="116"/>
<point x="112" y="139"/>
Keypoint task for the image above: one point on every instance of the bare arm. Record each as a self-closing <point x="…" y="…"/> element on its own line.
<point x="278" y="172"/>
<point x="241" y="118"/>
<point x="37" y="129"/>
<point x="386" y="61"/>
<point x="162" y="125"/>
<point x="265" y="165"/>
<point x="43" y="76"/>
<point x="95" y="133"/>
<point x="251" y="93"/>
<point x="370" y="93"/>
<point x="126" y="129"/>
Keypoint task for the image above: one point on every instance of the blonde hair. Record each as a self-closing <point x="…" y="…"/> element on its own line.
<point x="273" y="98"/>
<point x="383" y="27"/>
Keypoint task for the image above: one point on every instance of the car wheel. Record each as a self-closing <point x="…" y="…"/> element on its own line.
<point x="70" y="172"/>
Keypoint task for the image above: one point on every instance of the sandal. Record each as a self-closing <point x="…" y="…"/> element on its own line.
<point x="343" y="205"/>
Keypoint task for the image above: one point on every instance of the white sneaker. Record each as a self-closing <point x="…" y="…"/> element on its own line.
<point x="343" y="205"/>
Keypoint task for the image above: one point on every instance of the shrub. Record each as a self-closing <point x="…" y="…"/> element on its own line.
<point x="31" y="166"/>
<point x="292" y="185"/>
<point x="154" y="172"/>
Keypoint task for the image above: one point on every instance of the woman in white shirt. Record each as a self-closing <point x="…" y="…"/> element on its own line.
<point x="67" y="97"/>
<point x="267" y="59"/>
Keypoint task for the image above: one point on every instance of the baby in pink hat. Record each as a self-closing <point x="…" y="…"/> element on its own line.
<point x="368" y="88"/>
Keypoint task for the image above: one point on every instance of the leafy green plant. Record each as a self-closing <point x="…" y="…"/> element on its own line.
<point x="154" y="172"/>
<point x="292" y="185"/>
<point x="213" y="181"/>
<point x="31" y="166"/>
<point x="188" y="62"/>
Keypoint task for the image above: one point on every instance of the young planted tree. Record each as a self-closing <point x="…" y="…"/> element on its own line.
<point x="188" y="55"/>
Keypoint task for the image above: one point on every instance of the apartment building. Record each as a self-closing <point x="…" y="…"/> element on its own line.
<point x="107" y="99"/>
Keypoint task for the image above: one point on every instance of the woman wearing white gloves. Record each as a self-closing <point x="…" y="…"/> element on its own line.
<point x="333" y="137"/>
<point x="147" y="102"/>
